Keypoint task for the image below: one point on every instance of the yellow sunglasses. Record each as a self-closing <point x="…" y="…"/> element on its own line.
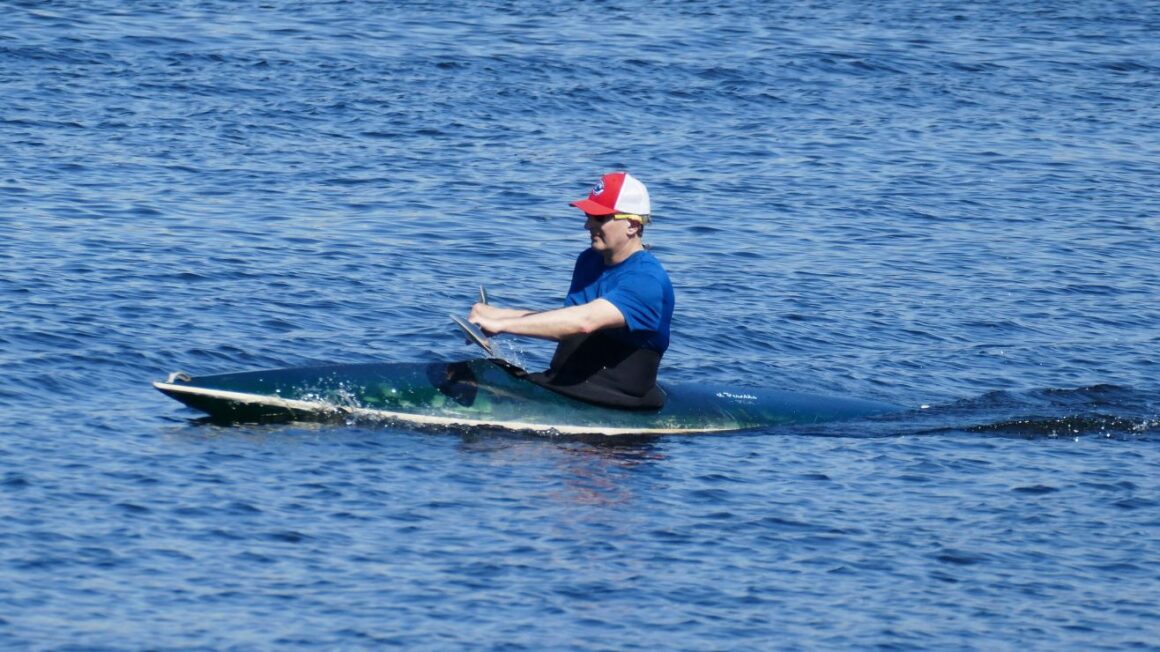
<point x="643" y="219"/>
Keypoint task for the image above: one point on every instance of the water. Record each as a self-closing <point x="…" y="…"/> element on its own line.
<point x="925" y="203"/>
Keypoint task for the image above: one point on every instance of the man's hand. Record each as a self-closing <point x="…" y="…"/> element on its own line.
<point x="490" y="327"/>
<point x="480" y="311"/>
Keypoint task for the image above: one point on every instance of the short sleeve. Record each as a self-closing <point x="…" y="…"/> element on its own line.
<point x="641" y="299"/>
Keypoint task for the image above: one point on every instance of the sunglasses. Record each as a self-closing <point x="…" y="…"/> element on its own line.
<point x="601" y="219"/>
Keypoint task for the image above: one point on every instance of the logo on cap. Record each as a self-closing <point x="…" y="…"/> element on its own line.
<point x="598" y="188"/>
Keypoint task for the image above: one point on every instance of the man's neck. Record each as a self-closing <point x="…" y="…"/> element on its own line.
<point x="619" y="256"/>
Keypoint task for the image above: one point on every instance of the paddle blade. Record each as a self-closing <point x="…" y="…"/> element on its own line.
<point x="474" y="335"/>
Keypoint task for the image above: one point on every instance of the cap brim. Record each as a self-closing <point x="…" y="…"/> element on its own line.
<point x="592" y="208"/>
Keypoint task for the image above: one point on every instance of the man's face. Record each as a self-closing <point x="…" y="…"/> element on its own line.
<point x="609" y="234"/>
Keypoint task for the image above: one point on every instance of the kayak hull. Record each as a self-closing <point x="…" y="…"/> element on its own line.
<point x="480" y="393"/>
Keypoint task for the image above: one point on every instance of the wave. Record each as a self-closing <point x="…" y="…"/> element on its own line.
<point x="1107" y="411"/>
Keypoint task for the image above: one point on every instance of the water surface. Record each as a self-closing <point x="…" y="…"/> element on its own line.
<point x="933" y="205"/>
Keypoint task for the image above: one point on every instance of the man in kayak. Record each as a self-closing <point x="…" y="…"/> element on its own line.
<point x="614" y="326"/>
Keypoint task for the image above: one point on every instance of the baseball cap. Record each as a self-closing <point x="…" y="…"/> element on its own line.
<point x="616" y="192"/>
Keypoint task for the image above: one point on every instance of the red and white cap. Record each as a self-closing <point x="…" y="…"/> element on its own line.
<point x="616" y="192"/>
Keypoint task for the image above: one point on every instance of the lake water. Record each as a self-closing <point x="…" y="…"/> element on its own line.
<point x="935" y="204"/>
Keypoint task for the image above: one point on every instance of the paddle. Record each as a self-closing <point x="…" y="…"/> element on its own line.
<point x="475" y="336"/>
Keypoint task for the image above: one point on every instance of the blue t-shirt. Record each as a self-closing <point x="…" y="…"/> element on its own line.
<point x="639" y="288"/>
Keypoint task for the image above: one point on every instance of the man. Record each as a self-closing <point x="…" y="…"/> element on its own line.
<point x="614" y="326"/>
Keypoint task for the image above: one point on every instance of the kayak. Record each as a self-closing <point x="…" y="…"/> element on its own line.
<point x="490" y="393"/>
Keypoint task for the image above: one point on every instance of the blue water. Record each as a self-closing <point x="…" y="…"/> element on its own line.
<point x="937" y="204"/>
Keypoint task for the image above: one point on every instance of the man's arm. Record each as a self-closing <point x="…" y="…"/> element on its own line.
<point x="554" y="324"/>
<point x="488" y="311"/>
